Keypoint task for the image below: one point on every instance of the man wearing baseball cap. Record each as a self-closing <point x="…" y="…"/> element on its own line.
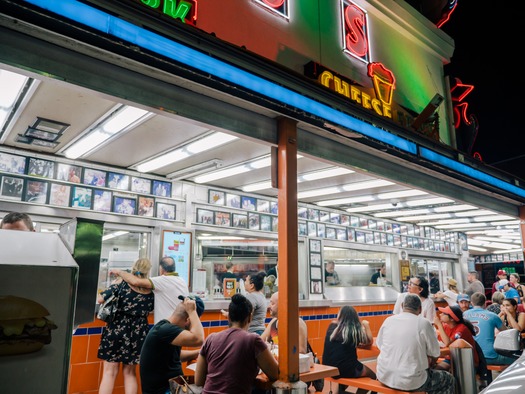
<point x="502" y="278"/>
<point x="161" y="357"/>
<point x="463" y="301"/>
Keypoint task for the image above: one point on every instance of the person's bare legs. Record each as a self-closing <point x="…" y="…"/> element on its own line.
<point x="109" y="375"/>
<point x="130" y="379"/>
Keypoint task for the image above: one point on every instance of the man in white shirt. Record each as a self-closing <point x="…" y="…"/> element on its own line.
<point x="418" y="285"/>
<point x="408" y="348"/>
<point x="167" y="287"/>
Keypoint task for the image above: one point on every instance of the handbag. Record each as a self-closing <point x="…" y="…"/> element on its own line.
<point x="109" y="308"/>
<point x="182" y="385"/>
<point x="319" y="383"/>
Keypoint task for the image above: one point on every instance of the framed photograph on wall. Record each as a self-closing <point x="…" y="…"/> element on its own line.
<point x="40" y="167"/>
<point x="94" y="177"/>
<point x="274" y="207"/>
<point x="266" y="223"/>
<point x="312" y="229"/>
<point x="36" y="191"/>
<point x="313" y="214"/>
<point x="233" y="200"/>
<point x="253" y="221"/>
<point x="124" y="205"/>
<point x="263" y="206"/>
<point x="248" y="203"/>
<point x="12" y="188"/>
<point x="315" y="259"/>
<point x="335" y="218"/>
<point x="216" y="197"/>
<point x="222" y="219"/>
<point x="316" y="287"/>
<point x="161" y="189"/>
<point x="341" y="234"/>
<point x="351" y="234"/>
<point x="239" y="220"/>
<point x="275" y="223"/>
<point x="59" y="194"/>
<point x="204" y="216"/>
<point x="146" y="206"/>
<point x="81" y="197"/>
<point x="324" y="216"/>
<point x="102" y="200"/>
<point x="165" y="211"/>
<point x="12" y="163"/>
<point x="303" y="231"/>
<point x="315" y="245"/>
<point x="140" y="185"/>
<point x="345" y="220"/>
<point x="321" y="230"/>
<point x="330" y="232"/>
<point x="118" y="181"/>
<point x="68" y="173"/>
<point x="316" y="273"/>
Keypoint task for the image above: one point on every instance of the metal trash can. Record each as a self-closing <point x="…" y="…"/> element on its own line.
<point x="462" y="364"/>
<point x="298" y="387"/>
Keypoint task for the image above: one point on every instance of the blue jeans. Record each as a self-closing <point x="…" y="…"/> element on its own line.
<point x="500" y="360"/>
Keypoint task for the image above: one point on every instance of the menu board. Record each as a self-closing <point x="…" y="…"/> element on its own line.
<point x="177" y="245"/>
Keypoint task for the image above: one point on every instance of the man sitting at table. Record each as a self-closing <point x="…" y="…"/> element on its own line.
<point x="408" y="348"/>
<point x="485" y="322"/>
<point x="271" y="331"/>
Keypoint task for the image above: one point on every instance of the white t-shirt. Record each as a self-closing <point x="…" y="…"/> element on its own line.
<point x="167" y="289"/>
<point x="450" y="297"/>
<point x="428" y="307"/>
<point x="405" y="341"/>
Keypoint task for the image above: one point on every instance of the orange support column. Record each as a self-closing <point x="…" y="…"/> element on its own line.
<point x="288" y="251"/>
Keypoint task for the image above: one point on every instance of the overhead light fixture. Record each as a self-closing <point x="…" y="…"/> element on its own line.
<point x="509" y="251"/>
<point x="197" y="169"/>
<point x="14" y="93"/>
<point x="376" y="207"/>
<point x="121" y="118"/>
<point x="401" y="194"/>
<point x="341" y="201"/>
<point x="461" y="226"/>
<point x="478" y="212"/>
<point x="202" y="144"/>
<point x="402" y="212"/>
<point x="319" y="192"/>
<point x="428" y="201"/>
<point x="366" y="185"/>
<point x="261" y="162"/>
<point x="423" y="217"/>
<point x="455" y="208"/>
<point x="470" y="247"/>
<point x="306" y="177"/>
<point x="114" y="235"/>
<point x="492" y="217"/>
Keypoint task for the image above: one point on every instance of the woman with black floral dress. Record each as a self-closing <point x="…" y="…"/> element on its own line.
<point x="123" y="337"/>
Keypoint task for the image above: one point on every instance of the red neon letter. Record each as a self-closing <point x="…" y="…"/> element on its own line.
<point x="355" y="37"/>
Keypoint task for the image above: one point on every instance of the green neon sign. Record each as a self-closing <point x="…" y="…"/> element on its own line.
<point x="171" y="8"/>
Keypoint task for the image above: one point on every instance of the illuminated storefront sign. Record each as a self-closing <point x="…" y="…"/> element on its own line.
<point x="280" y="7"/>
<point x="184" y="10"/>
<point x="355" y="31"/>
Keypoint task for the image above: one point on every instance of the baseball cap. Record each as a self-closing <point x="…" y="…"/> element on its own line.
<point x="463" y="297"/>
<point x="199" y="304"/>
<point x="452" y="312"/>
<point x="501" y="272"/>
<point x="510" y="284"/>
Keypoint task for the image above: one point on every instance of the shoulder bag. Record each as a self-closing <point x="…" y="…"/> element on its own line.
<point x="108" y="309"/>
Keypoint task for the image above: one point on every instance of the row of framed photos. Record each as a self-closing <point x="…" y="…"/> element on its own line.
<point x="260" y="205"/>
<point x="256" y="221"/>
<point x="316" y="270"/>
<point x="36" y="167"/>
<point x="80" y="196"/>
<point x="496" y="258"/>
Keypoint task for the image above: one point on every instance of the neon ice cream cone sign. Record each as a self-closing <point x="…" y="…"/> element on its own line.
<point x="384" y="82"/>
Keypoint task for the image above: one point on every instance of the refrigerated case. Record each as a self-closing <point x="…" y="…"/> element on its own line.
<point x="38" y="267"/>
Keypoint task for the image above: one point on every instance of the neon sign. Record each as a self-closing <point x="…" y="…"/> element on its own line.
<point x="185" y="10"/>
<point x="355" y="31"/>
<point x="280" y="7"/>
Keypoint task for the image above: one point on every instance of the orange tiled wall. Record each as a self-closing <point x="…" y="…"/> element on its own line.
<point x="86" y="369"/>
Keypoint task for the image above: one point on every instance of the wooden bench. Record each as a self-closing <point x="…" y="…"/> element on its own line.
<point x="367" y="383"/>
<point x="498" y="368"/>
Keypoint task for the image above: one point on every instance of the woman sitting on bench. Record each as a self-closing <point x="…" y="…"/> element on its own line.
<point x="342" y="339"/>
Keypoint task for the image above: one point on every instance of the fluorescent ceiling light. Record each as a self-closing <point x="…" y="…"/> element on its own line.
<point x="124" y="118"/>
<point x="197" y="169"/>
<point x="400" y="194"/>
<point x="470" y="247"/>
<point x="402" y="212"/>
<point x="366" y="185"/>
<point x="210" y="141"/>
<point x="12" y="85"/>
<point x="428" y="201"/>
<point x="509" y="223"/>
<point x="479" y="212"/>
<point x="509" y="251"/>
<point x="306" y="177"/>
<point x="461" y="226"/>
<point x="114" y="235"/>
<point x="319" y="192"/>
<point x="445" y="221"/>
<point x="500" y="245"/>
<point x="455" y="208"/>
<point x="349" y="200"/>
<point x="218" y="237"/>
<point x="256" y="164"/>
<point x="423" y="217"/>
<point x="493" y="239"/>
<point x="492" y="217"/>
<point x="327" y="173"/>
<point x="477" y="242"/>
<point x="376" y="207"/>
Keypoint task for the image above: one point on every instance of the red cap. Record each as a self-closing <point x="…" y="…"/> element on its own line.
<point x="501" y="272"/>
<point x="449" y="312"/>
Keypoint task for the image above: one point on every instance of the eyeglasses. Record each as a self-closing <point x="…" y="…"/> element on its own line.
<point x="410" y="283"/>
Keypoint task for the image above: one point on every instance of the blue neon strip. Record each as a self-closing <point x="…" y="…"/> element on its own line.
<point x="106" y="23"/>
<point x="469" y="171"/>
<point x="101" y="21"/>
